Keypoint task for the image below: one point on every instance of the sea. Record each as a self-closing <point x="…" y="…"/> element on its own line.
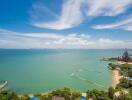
<point x="41" y="70"/>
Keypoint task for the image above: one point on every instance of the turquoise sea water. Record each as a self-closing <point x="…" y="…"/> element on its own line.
<point x="36" y="71"/>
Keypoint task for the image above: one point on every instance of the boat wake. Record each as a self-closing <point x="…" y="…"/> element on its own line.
<point x="77" y="76"/>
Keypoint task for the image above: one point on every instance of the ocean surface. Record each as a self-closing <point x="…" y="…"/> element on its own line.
<point x="36" y="71"/>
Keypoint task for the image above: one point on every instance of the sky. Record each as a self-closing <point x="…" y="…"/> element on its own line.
<point x="69" y="24"/>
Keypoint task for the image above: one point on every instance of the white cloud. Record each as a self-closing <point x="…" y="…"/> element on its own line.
<point x="123" y="24"/>
<point x="109" y="43"/>
<point x="70" y="16"/>
<point x="74" y="12"/>
<point x="10" y="39"/>
<point x="43" y="35"/>
<point x="31" y="35"/>
<point x="107" y="7"/>
<point x="74" y="40"/>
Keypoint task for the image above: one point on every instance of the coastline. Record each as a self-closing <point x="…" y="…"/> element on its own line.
<point x="115" y="80"/>
<point x="115" y="77"/>
<point x="122" y="62"/>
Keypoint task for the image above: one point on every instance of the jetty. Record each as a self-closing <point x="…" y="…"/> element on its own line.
<point x="2" y="86"/>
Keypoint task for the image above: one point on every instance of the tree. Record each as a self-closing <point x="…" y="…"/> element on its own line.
<point x="8" y="95"/>
<point x="111" y="92"/>
<point x="66" y="93"/>
<point x="124" y="83"/>
<point x="75" y="95"/>
<point x="97" y="95"/>
<point x="130" y="73"/>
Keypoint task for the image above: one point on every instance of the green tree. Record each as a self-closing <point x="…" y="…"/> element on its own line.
<point x="75" y="95"/>
<point x="124" y="83"/>
<point x="111" y="92"/>
<point x="130" y="73"/>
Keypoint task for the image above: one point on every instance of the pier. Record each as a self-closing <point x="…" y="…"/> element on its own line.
<point x="2" y="86"/>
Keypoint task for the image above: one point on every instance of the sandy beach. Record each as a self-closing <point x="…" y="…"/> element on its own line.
<point x="115" y="77"/>
<point x="122" y="62"/>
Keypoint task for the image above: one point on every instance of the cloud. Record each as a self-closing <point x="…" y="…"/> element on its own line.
<point x="123" y="24"/>
<point x="107" y="7"/>
<point x="70" y="16"/>
<point x="39" y="10"/>
<point x="10" y="39"/>
<point x="30" y="35"/>
<point x="75" y="12"/>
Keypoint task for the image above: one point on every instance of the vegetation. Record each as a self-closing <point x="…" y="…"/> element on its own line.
<point x="97" y="95"/>
<point x="111" y="92"/>
<point x="124" y="88"/>
<point x="8" y="95"/>
<point x="62" y="93"/>
<point x="69" y="94"/>
<point x="112" y="66"/>
<point x="125" y="69"/>
<point x="75" y="95"/>
<point x="124" y="83"/>
<point x="130" y="73"/>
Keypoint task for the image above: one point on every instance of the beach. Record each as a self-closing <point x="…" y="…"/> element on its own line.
<point x="122" y="62"/>
<point x="115" y="77"/>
